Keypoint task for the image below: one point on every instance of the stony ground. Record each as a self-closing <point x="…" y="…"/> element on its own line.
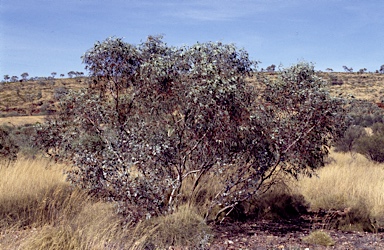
<point x="288" y="235"/>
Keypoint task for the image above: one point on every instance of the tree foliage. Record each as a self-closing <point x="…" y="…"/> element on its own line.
<point x="171" y="114"/>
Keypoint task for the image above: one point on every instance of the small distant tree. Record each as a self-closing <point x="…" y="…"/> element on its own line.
<point x="346" y="69"/>
<point x="329" y="69"/>
<point x="14" y="78"/>
<point x="24" y="76"/>
<point x="271" y="68"/>
<point x="361" y="71"/>
<point x="79" y="73"/>
<point x="62" y="75"/>
<point x="6" y="78"/>
<point x="53" y="74"/>
<point x="71" y="73"/>
<point x="382" y="69"/>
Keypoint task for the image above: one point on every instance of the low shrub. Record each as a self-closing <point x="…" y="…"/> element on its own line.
<point x="358" y="218"/>
<point x="8" y="147"/>
<point x="347" y="142"/>
<point x="25" y="138"/>
<point x="59" y="92"/>
<point x="371" y="145"/>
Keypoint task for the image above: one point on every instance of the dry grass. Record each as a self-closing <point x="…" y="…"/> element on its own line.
<point x="349" y="183"/>
<point x="40" y="210"/>
<point x="95" y="227"/>
<point x="23" y="188"/>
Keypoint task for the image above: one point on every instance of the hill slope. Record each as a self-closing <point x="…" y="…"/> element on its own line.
<point x="39" y="98"/>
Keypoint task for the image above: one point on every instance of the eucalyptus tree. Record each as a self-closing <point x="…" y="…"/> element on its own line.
<point x="171" y="118"/>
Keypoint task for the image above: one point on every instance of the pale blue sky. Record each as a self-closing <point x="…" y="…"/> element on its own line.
<point x="44" y="36"/>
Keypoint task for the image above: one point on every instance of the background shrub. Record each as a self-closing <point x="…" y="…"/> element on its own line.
<point x="347" y="142"/>
<point x="371" y="147"/>
<point x="364" y="113"/>
<point x="8" y="147"/>
<point x="59" y="92"/>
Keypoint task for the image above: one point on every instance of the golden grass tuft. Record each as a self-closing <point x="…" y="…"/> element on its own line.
<point x="95" y="227"/>
<point x="351" y="183"/>
<point x="27" y="188"/>
<point x="319" y="237"/>
<point x="37" y="203"/>
<point x="183" y="228"/>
